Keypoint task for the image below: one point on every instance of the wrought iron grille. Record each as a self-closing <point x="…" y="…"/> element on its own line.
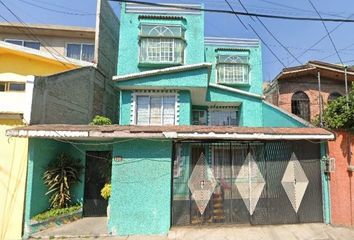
<point x="255" y="183"/>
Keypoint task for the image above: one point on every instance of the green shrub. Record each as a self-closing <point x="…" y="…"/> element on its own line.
<point x="55" y="212"/>
<point x="106" y="191"/>
<point x="101" y="120"/>
<point x="60" y="176"/>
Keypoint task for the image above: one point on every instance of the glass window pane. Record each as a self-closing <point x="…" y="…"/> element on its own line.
<point x="161" y="50"/>
<point x="142" y="111"/>
<point x="169" y="110"/>
<point x="233" y="73"/>
<point x="17" y="42"/>
<point x="155" y="110"/>
<point x="73" y="51"/>
<point x="87" y="52"/>
<point x="223" y="118"/>
<point x="34" y="45"/>
<point x="2" y="87"/>
<point x="17" y="87"/>
<point x="161" y="30"/>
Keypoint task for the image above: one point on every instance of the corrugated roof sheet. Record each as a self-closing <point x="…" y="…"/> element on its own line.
<point x="120" y="131"/>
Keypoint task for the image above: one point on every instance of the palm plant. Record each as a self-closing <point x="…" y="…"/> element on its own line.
<point x="61" y="175"/>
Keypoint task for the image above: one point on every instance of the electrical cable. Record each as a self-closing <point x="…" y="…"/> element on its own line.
<point x="32" y="34"/>
<point x="234" y="12"/>
<point x="57" y="11"/>
<point x="273" y="36"/>
<point x="265" y="44"/>
<point x="329" y="35"/>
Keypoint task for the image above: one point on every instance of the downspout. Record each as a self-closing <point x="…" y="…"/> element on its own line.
<point x="319" y="98"/>
<point x="325" y="185"/>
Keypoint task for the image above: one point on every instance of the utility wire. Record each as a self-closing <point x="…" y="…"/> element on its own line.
<point x="265" y="44"/>
<point x="236" y="15"/>
<point x="60" y="6"/>
<point x="31" y="33"/>
<point x="54" y="10"/>
<point x="237" y="12"/>
<point x="273" y="36"/>
<point x="329" y="35"/>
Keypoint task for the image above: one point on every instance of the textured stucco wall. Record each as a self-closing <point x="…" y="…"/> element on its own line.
<point x="129" y="39"/>
<point x="341" y="180"/>
<point x="251" y="107"/>
<point x="73" y="97"/>
<point x="141" y="188"/>
<point x="272" y="117"/>
<point x="255" y="61"/>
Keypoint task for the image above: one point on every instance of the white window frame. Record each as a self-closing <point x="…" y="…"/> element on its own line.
<point x="23" y="42"/>
<point x="136" y="95"/>
<point x="248" y="82"/>
<point x="81" y="47"/>
<point x="145" y="37"/>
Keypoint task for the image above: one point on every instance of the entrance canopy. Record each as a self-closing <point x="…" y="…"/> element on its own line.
<point x="92" y="132"/>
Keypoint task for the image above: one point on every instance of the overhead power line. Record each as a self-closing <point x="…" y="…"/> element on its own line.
<point x="57" y="11"/>
<point x="33" y="36"/>
<point x="237" y="12"/>
<point x="328" y="33"/>
<point x="271" y="34"/>
<point x="255" y="32"/>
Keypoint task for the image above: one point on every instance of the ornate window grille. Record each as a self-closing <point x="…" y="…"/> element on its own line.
<point x="233" y="69"/>
<point x="161" y="44"/>
<point x="300" y="105"/>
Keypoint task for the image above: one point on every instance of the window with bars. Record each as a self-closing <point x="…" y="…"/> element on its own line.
<point x="155" y="110"/>
<point x="223" y="117"/>
<point x="233" y="69"/>
<point x="161" y="44"/>
<point x="25" y="43"/>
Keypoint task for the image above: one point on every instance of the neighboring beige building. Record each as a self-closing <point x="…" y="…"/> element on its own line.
<point x="68" y="41"/>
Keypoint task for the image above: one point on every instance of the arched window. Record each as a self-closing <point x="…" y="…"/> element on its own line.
<point x="300" y="105"/>
<point x="333" y="96"/>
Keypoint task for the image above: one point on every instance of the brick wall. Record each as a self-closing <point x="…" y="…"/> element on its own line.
<point x="309" y="85"/>
<point x="341" y="180"/>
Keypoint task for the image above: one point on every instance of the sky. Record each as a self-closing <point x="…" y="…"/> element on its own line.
<point x="296" y="36"/>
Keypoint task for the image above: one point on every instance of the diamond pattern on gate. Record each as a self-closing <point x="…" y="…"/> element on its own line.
<point x="250" y="183"/>
<point x="202" y="183"/>
<point x="294" y="182"/>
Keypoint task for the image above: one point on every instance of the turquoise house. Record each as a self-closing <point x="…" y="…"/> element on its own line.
<point x="195" y="143"/>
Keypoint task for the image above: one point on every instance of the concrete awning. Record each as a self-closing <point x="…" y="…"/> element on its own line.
<point x="92" y="132"/>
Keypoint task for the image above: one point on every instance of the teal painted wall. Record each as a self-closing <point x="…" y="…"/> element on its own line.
<point x="141" y="188"/>
<point x="190" y="78"/>
<point x="272" y="117"/>
<point x="41" y="153"/>
<point x="185" y="108"/>
<point x="251" y="107"/>
<point x="125" y="107"/>
<point x="128" y="54"/>
<point x="255" y="61"/>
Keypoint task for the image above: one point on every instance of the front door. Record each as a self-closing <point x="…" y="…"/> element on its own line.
<point x="97" y="174"/>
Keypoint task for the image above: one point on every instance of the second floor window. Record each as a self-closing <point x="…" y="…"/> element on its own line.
<point x="233" y="69"/>
<point x="223" y="117"/>
<point x="161" y="44"/>
<point x="25" y="43"/>
<point x="155" y="110"/>
<point x="80" y="51"/>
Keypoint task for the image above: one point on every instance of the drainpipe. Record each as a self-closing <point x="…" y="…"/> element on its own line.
<point x="319" y="98"/>
<point x="346" y="85"/>
<point x="325" y="186"/>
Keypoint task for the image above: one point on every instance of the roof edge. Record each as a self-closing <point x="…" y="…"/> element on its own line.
<point x="235" y="90"/>
<point x="160" y="71"/>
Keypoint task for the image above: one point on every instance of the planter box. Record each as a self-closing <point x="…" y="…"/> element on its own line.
<point x="37" y="226"/>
